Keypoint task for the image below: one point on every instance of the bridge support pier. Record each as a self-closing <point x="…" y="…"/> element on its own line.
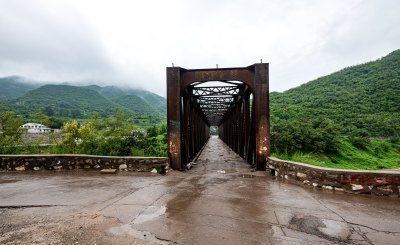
<point x="261" y="103"/>
<point x="174" y="117"/>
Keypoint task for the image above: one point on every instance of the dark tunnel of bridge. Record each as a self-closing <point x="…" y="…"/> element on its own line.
<point x="234" y="99"/>
<point x="226" y="104"/>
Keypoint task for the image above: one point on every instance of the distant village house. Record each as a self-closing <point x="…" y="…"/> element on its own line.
<point x="36" y="128"/>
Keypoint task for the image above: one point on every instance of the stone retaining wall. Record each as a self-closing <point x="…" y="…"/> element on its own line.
<point x="382" y="183"/>
<point x="73" y="162"/>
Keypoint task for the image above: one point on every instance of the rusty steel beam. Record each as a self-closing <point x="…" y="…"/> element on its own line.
<point x="261" y="103"/>
<point x="192" y="108"/>
<point x="174" y="117"/>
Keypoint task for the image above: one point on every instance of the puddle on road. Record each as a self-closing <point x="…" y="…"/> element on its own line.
<point x="331" y="230"/>
<point x="148" y="237"/>
<point x="229" y="171"/>
<point x="226" y="171"/>
<point x="252" y="176"/>
<point x="247" y="176"/>
<point x="6" y="181"/>
<point x="149" y="214"/>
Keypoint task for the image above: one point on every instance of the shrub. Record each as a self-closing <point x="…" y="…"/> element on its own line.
<point x="310" y="135"/>
<point x="359" y="138"/>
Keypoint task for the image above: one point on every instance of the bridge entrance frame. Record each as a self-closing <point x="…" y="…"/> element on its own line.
<point x="243" y="122"/>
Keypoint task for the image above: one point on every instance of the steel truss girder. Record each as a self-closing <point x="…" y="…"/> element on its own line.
<point x="215" y="91"/>
<point x="193" y="108"/>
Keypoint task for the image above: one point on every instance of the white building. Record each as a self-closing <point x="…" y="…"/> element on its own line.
<point x="36" y="128"/>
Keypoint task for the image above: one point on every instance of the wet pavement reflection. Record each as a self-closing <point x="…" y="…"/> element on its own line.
<point x="221" y="200"/>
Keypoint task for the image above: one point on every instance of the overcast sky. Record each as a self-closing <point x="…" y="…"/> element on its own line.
<point x="131" y="42"/>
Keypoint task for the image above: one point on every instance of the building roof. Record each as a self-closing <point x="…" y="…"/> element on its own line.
<point x="37" y="125"/>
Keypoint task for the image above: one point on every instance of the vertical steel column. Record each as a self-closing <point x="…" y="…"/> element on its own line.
<point x="174" y="117"/>
<point x="234" y="131"/>
<point x="185" y="130"/>
<point x="247" y="122"/>
<point x="192" y="129"/>
<point x="240" y="127"/>
<point x="245" y="125"/>
<point x="261" y="101"/>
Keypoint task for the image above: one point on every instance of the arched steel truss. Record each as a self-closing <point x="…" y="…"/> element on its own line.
<point x="239" y="105"/>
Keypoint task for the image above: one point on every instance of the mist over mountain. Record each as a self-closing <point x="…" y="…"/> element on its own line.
<point x="14" y="86"/>
<point x="80" y="102"/>
<point x="362" y="97"/>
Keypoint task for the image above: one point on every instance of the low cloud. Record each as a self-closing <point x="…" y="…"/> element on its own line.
<point x="129" y="43"/>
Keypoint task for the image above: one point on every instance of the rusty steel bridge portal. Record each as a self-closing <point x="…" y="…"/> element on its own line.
<point x="238" y="104"/>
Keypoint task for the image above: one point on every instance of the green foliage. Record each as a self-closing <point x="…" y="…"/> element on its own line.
<point x="380" y="154"/>
<point x="10" y="132"/>
<point x="395" y="140"/>
<point x="113" y="136"/>
<point x="40" y="117"/>
<point x="117" y="125"/>
<point x="63" y="101"/>
<point x="364" y="97"/>
<point x="155" y="101"/>
<point x="13" y="87"/>
<point x="359" y="138"/>
<point x="359" y="101"/>
<point x="158" y="140"/>
<point x="55" y="122"/>
<point x="140" y="109"/>
<point x="310" y="135"/>
<point x="152" y="131"/>
<point x="71" y="137"/>
<point x="67" y="102"/>
<point x="359" y="142"/>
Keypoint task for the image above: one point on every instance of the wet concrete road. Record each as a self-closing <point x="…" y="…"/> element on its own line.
<point x="219" y="201"/>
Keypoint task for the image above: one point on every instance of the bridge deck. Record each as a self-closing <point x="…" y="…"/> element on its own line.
<point x="219" y="201"/>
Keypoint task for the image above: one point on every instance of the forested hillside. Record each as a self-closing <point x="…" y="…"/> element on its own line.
<point x="63" y="101"/>
<point x="109" y="92"/>
<point x="13" y="87"/>
<point x="327" y="122"/>
<point x="330" y="121"/>
<point x="141" y="111"/>
<point x="362" y="99"/>
<point x="155" y="101"/>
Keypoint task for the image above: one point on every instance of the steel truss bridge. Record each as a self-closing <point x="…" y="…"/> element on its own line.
<point x="234" y="99"/>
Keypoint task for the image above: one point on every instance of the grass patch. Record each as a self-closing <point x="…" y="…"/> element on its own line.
<point x="379" y="154"/>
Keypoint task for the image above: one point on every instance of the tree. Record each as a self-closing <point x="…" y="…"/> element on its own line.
<point x="83" y="139"/>
<point x="304" y="134"/>
<point x="75" y="113"/>
<point x="11" y="132"/>
<point x="49" y="111"/>
<point x="71" y="137"/>
<point x="117" y="125"/>
<point x="40" y="117"/>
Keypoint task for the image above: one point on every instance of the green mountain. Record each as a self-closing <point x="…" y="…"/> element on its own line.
<point x="154" y="100"/>
<point x="73" y="102"/>
<point x="14" y="86"/>
<point x="142" y="112"/>
<point x="136" y="104"/>
<point x="63" y="101"/>
<point x="111" y="92"/>
<point x="68" y="101"/>
<point x="364" y="98"/>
